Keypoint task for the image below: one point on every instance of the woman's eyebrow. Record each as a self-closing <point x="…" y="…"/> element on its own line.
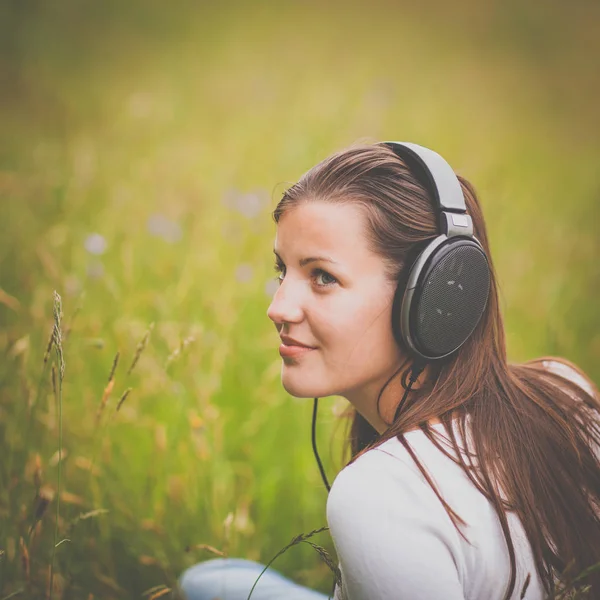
<point x="309" y="259"/>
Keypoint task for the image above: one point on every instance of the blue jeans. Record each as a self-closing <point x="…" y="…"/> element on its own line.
<point x="233" y="578"/>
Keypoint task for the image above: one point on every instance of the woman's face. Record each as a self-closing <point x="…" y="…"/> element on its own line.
<point x="341" y="308"/>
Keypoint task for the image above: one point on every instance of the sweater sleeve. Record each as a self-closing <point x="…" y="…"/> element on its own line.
<point x="392" y="535"/>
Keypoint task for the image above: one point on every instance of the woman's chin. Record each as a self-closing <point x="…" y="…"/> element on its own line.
<point x="299" y="389"/>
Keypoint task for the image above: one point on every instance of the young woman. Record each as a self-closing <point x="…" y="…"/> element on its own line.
<point x="483" y="482"/>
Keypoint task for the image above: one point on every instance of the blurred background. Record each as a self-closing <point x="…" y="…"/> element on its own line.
<point x="144" y="146"/>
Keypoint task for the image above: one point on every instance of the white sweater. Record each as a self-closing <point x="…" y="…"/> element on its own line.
<point x="395" y="540"/>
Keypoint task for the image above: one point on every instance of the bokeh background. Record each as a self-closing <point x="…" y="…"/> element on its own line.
<point x="144" y="145"/>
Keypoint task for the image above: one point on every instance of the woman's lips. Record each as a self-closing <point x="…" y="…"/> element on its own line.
<point x="293" y="351"/>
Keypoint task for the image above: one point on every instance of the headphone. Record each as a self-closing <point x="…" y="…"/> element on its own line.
<point x="444" y="287"/>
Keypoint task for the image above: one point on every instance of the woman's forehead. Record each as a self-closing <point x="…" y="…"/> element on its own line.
<point x="322" y="227"/>
<point x="332" y="231"/>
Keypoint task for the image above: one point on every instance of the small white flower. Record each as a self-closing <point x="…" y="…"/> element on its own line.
<point x="95" y="244"/>
<point x="243" y="273"/>
<point x="160" y="226"/>
<point x="250" y="204"/>
<point x="271" y="287"/>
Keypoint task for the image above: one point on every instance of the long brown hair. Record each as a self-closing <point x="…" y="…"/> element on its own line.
<point x="535" y="433"/>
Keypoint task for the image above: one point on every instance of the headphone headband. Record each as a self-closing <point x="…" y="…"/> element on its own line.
<point x="442" y="182"/>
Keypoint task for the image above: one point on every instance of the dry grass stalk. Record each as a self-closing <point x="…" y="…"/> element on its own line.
<point x="227" y="531"/>
<point x="20" y="347"/>
<point x="140" y="347"/>
<point x="160" y="594"/>
<point x="92" y="513"/>
<point x="49" y="346"/>
<point x="567" y="588"/>
<point x="70" y="498"/>
<point x="34" y="534"/>
<point x="107" y="390"/>
<point x="42" y="501"/>
<point x="59" y="455"/>
<point x="179" y="350"/>
<point x="327" y="560"/>
<point x="303" y="537"/>
<point x="150" y="525"/>
<point x="14" y="594"/>
<point x="24" y="558"/>
<point x="109" y="387"/>
<point x="9" y="301"/>
<point x="123" y="397"/>
<point x="148" y="561"/>
<point x="86" y="464"/>
<point x="153" y="589"/>
<point x="114" y="367"/>
<point x="54" y="384"/>
<point x="152" y="592"/>
<point x="205" y="547"/>
<point x="37" y="473"/>
<point x="84" y="516"/>
<point x="61" y="365"/>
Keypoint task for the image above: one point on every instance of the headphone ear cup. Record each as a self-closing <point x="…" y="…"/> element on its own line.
<point x="448" y="300"/>
<point x="412" y="256"/>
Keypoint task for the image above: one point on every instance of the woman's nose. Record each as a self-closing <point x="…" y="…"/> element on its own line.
<point x="285" y="305"/>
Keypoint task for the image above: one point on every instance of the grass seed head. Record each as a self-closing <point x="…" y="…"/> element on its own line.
<point x="114" y="367"/>
<point x="140" y="347"/>
<point x="107" y="390"/>
<point x="123" y="397"/>
<point x="58" y="334"/>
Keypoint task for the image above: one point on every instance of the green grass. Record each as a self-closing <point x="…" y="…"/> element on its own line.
<point x="113" y="115"/>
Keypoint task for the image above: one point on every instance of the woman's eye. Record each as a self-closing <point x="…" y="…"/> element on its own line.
<point x="279" y="268"/>
<point x="320" y="272"/>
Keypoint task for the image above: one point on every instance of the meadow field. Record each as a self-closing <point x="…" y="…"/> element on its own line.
<point x="144" y="146"/>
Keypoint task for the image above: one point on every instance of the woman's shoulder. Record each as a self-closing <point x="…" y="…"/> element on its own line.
<point x="388" y="524"/>
<point x="566" y="369"/>
<point x="389" y="473"/>
<point x="381" y="489"/>
<point x="390" y="468"/>
<point x="386" y="469"/>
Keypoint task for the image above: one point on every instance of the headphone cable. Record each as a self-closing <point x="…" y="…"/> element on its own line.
<point x="416" y="370"/>
<point x="314" y="445"/>
<point x="414" y="374"/>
